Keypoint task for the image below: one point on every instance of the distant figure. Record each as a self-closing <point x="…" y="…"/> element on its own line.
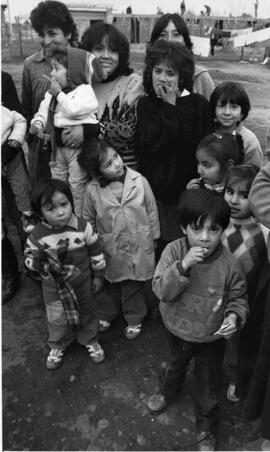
<point x="214" y="33"/>
<point x="129" y="10"/>
<point x="208" y="10"/>
<point x="256" y="4"/>
<point x="183" y="7"/>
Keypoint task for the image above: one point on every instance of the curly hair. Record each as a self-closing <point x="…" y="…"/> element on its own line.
<point x="118" y="42"/>
<point x="177" y="56"/>
<point x="232" y="92"/>
<point x="54" y="14"/>
<point x="223" y="147"/>
<point x="179" y="23"/>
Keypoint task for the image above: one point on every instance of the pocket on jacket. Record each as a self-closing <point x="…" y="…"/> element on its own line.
<point x="145" y="239"/>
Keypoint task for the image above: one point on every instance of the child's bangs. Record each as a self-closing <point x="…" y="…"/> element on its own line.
<point x="230" y="95"/>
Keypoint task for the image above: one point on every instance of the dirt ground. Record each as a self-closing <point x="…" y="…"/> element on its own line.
<point x="86" y="406"/>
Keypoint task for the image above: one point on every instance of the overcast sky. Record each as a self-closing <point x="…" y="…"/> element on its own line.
<point x="220" y="7"/>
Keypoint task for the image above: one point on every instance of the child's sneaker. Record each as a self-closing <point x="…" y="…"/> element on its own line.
<point x="104" y="325"/>
<point x="132" y="331"/>
<point x="96" y="352"/>
<point x="54" y="358"/>
<point x="157" y="403"/>
<point x="28" y="223"/>
<point x="231" y="394"/>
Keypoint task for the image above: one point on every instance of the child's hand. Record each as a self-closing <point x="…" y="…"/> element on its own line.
<point x="97" y="284"/>
<point x="36" y="128"/>
<point x="228" y="326"/>
<point x="194" y="255"/>
<point x="14" y="144"/>
<point x="168" y="92"/>
<point x="194" y="183"/>
<point x="55" y="88"/>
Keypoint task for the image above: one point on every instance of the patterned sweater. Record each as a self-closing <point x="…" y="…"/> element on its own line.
<point x="194" y="304"/>
<point x="245" y="240"/>
<point x="83" y="251"/>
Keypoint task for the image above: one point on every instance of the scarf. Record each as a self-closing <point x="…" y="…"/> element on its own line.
<point x="50" y="266"/>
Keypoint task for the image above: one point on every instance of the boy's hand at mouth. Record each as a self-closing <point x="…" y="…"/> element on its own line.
<point x="194" y="255"/>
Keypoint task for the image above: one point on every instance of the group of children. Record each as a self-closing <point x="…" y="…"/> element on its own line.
<point x="97" y="228"/>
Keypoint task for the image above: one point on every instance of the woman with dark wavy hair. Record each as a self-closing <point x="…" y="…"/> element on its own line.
<point x="171" y="121"/>
<point x="55" y="27"/>
<point x="172" y="27"/>
<point x="119" y="90"/>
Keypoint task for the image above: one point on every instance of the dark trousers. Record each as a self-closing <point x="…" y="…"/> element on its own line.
<point x="128" y="294"/>
<point x="207" y="378"/>
<point x="9" y="259"/>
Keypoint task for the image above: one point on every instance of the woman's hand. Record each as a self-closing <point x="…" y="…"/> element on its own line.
<point x="14" y="144"/>
<point x="72" y="137"/>
<point x="168" y="92"/>
<point x="194" y="183"/>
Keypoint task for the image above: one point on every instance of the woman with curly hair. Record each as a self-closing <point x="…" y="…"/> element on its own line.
<point x="119" y="90"/>
<point x="171" y="121"/>
<point x="172" y="27"/>
<point x="55" y="27"/>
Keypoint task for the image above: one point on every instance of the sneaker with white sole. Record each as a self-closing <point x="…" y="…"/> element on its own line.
<point x="231" y="393"/>
<point x="104" y="325"/>
<point x="54" y="358"/>
<point x="96" y="352"/>
<point x="132" y="331"/>
<point x="157" y="403"/>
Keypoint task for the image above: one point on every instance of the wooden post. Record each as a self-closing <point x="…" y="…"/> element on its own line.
<point x="19" y="34"/>
<point x="242" y="53"/>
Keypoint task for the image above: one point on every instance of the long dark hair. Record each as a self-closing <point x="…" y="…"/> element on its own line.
<point x="118" y="42"/>
<point x="177" y="56"/>
<point x="179" y="23"/>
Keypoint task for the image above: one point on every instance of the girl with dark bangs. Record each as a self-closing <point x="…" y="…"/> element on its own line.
<point x="230" y="106"/>
<point x="119" y="90"/>
<point x="171" y="121"/>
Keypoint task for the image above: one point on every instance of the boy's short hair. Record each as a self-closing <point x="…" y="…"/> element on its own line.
<point x="196" y="205"/>
<point x="43" y="192"/>
<point x="54" y="14"/>
<point x="242" y="173"/>
<point x="177" y="56"/>
<point x="230" y="92"/>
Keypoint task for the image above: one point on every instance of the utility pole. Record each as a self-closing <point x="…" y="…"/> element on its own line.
<point x="256" y="4"/>
<point x="9" y="20"/>
<point x="19" y="34"/>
